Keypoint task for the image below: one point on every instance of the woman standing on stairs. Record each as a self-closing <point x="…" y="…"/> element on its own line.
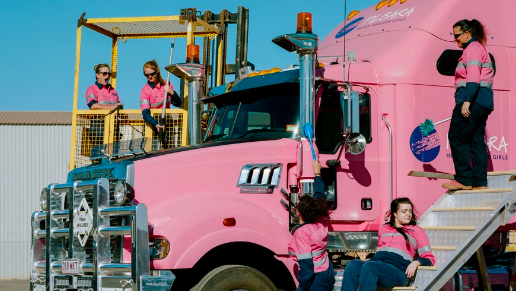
<point x="473" y="104"/>
<point x="402" y="247"/>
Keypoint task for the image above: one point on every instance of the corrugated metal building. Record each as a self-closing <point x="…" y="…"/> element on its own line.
<point x="34" y="152"/>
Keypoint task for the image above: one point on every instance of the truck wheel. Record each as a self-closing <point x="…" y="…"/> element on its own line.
<point x="233" y="278"/>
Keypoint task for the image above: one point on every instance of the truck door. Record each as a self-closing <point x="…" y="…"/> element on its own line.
<point x="353" y="185"/>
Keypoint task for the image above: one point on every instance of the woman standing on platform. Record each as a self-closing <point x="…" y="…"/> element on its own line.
<point x="473" y="104"/>
<point x="402" y="247"/>
<point x="153" y="93"/>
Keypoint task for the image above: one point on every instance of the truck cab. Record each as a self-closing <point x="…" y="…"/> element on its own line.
<point x="206" y="213"/>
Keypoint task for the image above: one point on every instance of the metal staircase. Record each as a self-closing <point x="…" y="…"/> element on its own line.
<point x="457" y="226"/>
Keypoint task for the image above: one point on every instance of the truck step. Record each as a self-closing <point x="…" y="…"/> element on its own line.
<point x="462" y="228"/>
<point x="501" y="190"/>
<point x="463" y="209"/>
<point x="443" y="248"/>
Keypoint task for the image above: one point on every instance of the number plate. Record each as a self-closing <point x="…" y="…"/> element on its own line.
<point x="70" y="267"/>
<point x="38" y="287"/>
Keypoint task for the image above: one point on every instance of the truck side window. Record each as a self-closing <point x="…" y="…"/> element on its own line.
<point x="449" y="59"/>
<point x="365" y="116"/>
<point x="329" y="127"/>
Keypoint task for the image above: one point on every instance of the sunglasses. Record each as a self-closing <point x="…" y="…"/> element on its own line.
<point x="458" y="35"/>
<point x="150" y="75"/>
<point x="105" y="73"/>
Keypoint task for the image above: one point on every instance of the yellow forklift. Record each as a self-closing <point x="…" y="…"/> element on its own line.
<point x="92" y="129"/>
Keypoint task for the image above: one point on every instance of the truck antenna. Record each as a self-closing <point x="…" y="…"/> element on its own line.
<point x="344" y="45"/>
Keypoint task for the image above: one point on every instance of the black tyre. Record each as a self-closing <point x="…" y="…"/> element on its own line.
<point x="234" y="278"/>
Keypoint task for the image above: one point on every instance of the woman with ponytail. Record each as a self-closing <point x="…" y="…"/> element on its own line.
<point x="309" y="240"/>
<point x="101" y="95"/>
<point x="154" y="92"/>
<point x="402" y="247"/>
<point x="473" y="104"/>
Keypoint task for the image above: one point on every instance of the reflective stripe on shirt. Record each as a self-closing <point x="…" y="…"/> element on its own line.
<point x="144" y="101"/>
<point x="318" y="253"/>
<point x="410" y="238"/>
<point x="482" y="84"/>
<point x="91" y="96"/>
<point x="321" y="261"/>
<point x="108" y="102"/>
<point x="473" y="62"/>
<point x="304" y="256"/>
<point x="154" y="105"/>
<point x="423" y="250"/>
<point x="396" y="251"/>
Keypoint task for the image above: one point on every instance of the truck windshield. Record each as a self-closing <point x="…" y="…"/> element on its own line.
<point x="257" y="114"/>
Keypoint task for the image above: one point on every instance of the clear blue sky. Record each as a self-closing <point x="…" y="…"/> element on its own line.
<point x="37" y="51"/>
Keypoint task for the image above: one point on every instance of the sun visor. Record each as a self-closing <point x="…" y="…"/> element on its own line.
<point x="248" y="83"/>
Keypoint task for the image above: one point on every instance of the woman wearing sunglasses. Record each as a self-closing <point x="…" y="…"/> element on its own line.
<point x="152" y="94"/>
<point x="473" y="104"/>
<point x="101" y="95"/>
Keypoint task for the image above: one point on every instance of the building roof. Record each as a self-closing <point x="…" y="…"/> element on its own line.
<point x="35" y="117"/>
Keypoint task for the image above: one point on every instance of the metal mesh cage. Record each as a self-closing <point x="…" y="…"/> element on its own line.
<point x="94" y="128"/>
<point x="149" y="27"/>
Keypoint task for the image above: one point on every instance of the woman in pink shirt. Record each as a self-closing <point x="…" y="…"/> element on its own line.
<point x="473" y="105"/>
<point x="402" y="247"/>
<point x="309" y="240"/>
<point x="101" y="95"/>
<point x="153" y="93"/>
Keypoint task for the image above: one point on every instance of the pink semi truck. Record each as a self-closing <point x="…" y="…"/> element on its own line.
<point x="216" y="214"/>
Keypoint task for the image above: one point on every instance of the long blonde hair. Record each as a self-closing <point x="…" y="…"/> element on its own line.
<point x="154" y="66"/>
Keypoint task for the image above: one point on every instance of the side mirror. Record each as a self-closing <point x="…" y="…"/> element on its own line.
<point x="355" y="143"/>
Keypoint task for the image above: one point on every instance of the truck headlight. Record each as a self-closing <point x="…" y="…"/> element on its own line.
<point x="43" y="199"/>
<point x="120" y="193"/>
<point x="159" y="249"/>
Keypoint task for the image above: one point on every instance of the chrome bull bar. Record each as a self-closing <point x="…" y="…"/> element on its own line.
<point x="66" y="235"/>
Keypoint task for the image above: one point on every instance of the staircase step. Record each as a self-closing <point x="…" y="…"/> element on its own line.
<point x="447" y="237"/>
<point x="454" y="218"/>
<point x="463" y="209"/>
<point x="466" y="228"/>
<point x="428" y="268"/>
<point x="472" y="200"/>
<point x="501" y="190"/>
<point x="443" y="248"/>
<point x="501" y="173"/>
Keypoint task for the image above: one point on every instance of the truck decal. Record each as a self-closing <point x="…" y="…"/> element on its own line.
<point x="93" y="174"/>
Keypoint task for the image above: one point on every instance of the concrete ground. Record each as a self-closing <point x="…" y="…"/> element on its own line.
<point x="14" y="285"/>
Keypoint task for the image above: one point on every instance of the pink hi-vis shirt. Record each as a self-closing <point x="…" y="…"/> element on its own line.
<point x="390" y="240"/>
<point x="105" y="95"/>
<point x="152" y="96"/>
<point x="474" y="66"/>
<point x="309" y="242"/>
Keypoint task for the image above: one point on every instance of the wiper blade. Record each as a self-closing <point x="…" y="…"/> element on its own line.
<point x="257" y="130"/>
<point x="215" y="136"/>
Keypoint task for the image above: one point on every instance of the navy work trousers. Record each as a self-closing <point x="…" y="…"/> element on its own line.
<point x="467" y="143"/>
<point x="368" y="275"/>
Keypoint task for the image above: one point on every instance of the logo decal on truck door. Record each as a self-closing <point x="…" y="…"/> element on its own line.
<point x="425" y="148"/>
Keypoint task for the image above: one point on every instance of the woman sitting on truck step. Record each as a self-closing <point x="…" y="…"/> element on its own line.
<point x="308" y="244"/>
<point x="101" y="95"/>
<point x="152" y="94"/>
<point x="402" y="247"/>
<point x="473" y="104"/>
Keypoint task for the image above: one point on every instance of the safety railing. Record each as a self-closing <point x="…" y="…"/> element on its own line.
<point x="75" y="250"/>
<point x="91" y="128"/>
